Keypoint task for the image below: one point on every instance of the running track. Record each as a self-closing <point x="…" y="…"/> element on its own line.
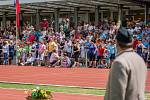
<point x="83" y="77"/>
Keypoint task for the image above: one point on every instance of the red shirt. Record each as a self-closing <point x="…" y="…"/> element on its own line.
<point x="77" y="35"/>
<point x="44" y="24"/>
<point x="101" y="51"/>
<point x="135" y="43"/>
<point x="31" y="38"/>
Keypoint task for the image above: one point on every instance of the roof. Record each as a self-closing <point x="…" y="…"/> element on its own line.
<point x="48" y="6"/>
<point x="140" y="1"/>
<point x="143" y="0"/>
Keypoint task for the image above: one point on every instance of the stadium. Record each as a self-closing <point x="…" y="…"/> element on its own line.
<point x="67" y="46"/>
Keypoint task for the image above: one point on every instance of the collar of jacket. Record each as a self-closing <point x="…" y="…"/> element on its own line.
<point x="126" y="50"/>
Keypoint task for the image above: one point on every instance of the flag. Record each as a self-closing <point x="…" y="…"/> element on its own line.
<point x="17" y="13"/>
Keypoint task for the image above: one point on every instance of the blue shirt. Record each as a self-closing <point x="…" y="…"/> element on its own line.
<point x="37" y="35"/>
<point x="37" y="46"/>
<point x="145" y="31"/>
<point x="139" y="36"/>
<point x="92" y="48"/>
<point x="103" y="36"/>
<point x="68" y="48"/>
<point x="146" y="44"/>
<point x="87" y="44"/>
<point x="11" y="49"/>
<point x="112" y="49"/>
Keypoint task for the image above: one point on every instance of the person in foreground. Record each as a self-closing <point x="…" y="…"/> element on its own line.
<point x="128" y="71"/>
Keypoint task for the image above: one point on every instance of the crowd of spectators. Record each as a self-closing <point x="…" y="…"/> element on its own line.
<point x="88" y="45"/>
<point x="7" y="44"/>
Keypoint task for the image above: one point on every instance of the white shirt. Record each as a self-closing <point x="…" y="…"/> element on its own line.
<point x="86" y="27"/>
<point x="90" y="28"/>
<point x="6" y="48"/>
<point x="31" y="59"/>
<point x="137" y="28"/>
<point x="54" y="57"/>
<point x="81" y="41"/>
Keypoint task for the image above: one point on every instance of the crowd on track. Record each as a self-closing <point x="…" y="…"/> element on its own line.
<point x="87" y="45"/>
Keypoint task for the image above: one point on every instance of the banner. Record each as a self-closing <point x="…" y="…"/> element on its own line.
<point x="17" y="13"/>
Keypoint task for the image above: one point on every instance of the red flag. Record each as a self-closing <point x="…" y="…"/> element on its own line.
<point x="17" y="14"/>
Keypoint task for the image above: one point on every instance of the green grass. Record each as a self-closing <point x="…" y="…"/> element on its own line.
<point x="72" y="90"/>
<point x="63" y="89"/>
<point x="147" y="96"/>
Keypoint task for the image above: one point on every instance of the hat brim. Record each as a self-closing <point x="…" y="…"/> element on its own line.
<point x="125" y="44"/>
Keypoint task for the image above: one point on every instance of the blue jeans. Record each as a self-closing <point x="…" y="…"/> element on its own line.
<point x="11" y="55"/>
<point x="49" y="55"/>
<point x="5" y="58"/>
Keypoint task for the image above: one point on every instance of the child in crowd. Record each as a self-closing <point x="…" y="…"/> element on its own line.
<point x="11" y="52"/>
<point x="145" y="54"/>
<point x="6" y="52"/>
<point x="140" y="47"/>
<point x="113" y="49"/>
<point x="92" y="54"/>
<point x="107" y="57"/>
<point x="100" y="54"/>
<point x="83" y="55"/>
<point x="103" y="64"/>
<point x="65" y="61"/>
<point x="76" y="51"/>
<point x="30" y="60"/>
<point x="23" y="56"/>
<point x="1" y="53"/>
<point x="68" y="47"/>
<point x="54" y="59"/>
<point x="41" y="51"/>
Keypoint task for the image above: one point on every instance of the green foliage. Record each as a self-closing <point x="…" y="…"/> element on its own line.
<point x="38" y="93"/>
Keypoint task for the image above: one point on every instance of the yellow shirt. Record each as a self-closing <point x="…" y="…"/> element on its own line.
<point x="51" y="46"/>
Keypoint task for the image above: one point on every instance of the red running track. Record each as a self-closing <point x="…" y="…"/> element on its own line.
<point x="10" y="94"/>
<point x="83" y="77"/>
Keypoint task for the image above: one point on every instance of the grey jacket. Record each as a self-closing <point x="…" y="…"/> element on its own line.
<point x="127" y="77"/>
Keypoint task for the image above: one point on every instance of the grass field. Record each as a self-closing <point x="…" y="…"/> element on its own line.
<point x="62" y="89"/>
<point x="72" y="90"/>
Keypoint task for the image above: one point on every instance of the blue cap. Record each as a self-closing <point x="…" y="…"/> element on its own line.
<point x="124" y="36"/>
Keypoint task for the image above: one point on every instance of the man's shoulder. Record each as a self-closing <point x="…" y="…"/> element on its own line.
<point x="128" y="57"/>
